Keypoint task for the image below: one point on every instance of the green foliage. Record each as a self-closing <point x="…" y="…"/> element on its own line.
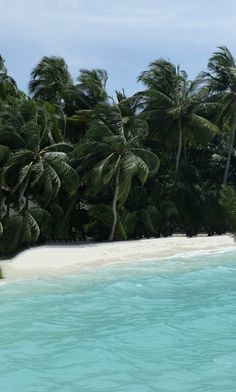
<point x="76" y="163"/>
<point x="221" y="82"/>
<point x="175" y="104"/>
<point x="8" y="87"/>
<point x="50" y="79"/>
<point x="19" y="231"/>
<point x="92" y="83"/>
<point x="228" y="201"/>
<point x="110" y="155"/>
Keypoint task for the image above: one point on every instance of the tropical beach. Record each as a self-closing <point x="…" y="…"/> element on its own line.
<point x="117" y="196"/>
<point x="80" y="165"/>
<point x="46" y="261"/>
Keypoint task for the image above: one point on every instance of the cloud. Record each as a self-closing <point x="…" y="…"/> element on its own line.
<point x="121" y="36"/>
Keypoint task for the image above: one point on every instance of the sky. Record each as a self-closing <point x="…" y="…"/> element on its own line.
<point x="122" y="36"/>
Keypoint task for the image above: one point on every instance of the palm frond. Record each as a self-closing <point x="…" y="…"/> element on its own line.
<point x="37" y="172"/>
<point x="4" y="154"/>
<point x="11" y="138"/>
<point x="151" y="159"/>
<point x="202" y="129"/>
<point x="52" y="182"/>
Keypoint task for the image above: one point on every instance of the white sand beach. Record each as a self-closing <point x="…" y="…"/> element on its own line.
<point x="54" y="260"/>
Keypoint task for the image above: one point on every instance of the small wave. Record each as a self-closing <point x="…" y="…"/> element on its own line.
<point x="197" y="253"/>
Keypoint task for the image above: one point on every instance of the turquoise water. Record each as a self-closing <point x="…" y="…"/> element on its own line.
<point x="143" y="327"/>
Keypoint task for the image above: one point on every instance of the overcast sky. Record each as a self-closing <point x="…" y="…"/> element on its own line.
<point x="122" y="36"/>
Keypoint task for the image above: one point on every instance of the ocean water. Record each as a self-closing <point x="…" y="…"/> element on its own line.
<point x="141" y="327"/>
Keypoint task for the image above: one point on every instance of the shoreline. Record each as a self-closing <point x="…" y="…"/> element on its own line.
<point x="55" y="260"/>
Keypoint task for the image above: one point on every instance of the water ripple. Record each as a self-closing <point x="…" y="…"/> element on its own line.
<point x="146" y="327"/>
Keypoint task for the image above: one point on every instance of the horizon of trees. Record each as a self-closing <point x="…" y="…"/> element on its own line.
<point x="77" y="164"/>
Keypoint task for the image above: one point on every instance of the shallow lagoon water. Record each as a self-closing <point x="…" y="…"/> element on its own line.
<point x="139" y="327"/>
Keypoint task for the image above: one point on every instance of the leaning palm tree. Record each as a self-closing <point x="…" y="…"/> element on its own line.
<point x="34" y="166"/>
<point x="50" y="79"/>
<point x="33" y="154"/>
<point x="221" y="81"/>
<point x="111" y="155"/>
<point x="92" y="86"/>
<point x="174" y="103"/>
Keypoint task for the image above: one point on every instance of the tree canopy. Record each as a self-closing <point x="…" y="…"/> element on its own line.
<point x="77" y="163"/>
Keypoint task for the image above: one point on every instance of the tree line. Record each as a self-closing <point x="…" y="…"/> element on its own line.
<point x="78" y="164"/>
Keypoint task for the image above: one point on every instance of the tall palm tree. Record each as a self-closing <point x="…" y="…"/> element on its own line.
<point x="111" y="155"/>
<point x="173" y="102"/>
<point x="50" y="80"/>
<point x="34" y="172"/>
<point x="221" y="81"/>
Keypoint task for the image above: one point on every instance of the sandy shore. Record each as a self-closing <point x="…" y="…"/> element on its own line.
<point x="60" y="260"/>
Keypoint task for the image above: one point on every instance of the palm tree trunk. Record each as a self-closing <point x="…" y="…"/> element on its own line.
<point x="81" y="225"/>
<point x="185" y="151"/>
<point x="64" y="231"/>
<point x="27" y="202"/>
<point x="179" y="147"/>
<point x="114" y="205"/>
<point x="229" y="156"/>
<point x="22" y="193"/>
<point x="64" y="123"/>
<point x="8" y="209"/>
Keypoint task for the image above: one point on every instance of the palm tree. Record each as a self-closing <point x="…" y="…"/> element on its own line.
<point x="92" y="85"/>
<point x="174" y="103"/>
<point x="8" y="87"/>
<point x="82" y="99"/>
<point x="34" y="155"/>
<point x="228" y="202"/>
<point x="221" y="81"/>
<point x="112" y="156"/>
<point x="50" y="80"/>
<point x="35" y="168"/>
<point x="23" y="228"/>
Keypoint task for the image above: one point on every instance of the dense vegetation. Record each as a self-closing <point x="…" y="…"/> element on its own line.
<point x="77" y="164"/>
